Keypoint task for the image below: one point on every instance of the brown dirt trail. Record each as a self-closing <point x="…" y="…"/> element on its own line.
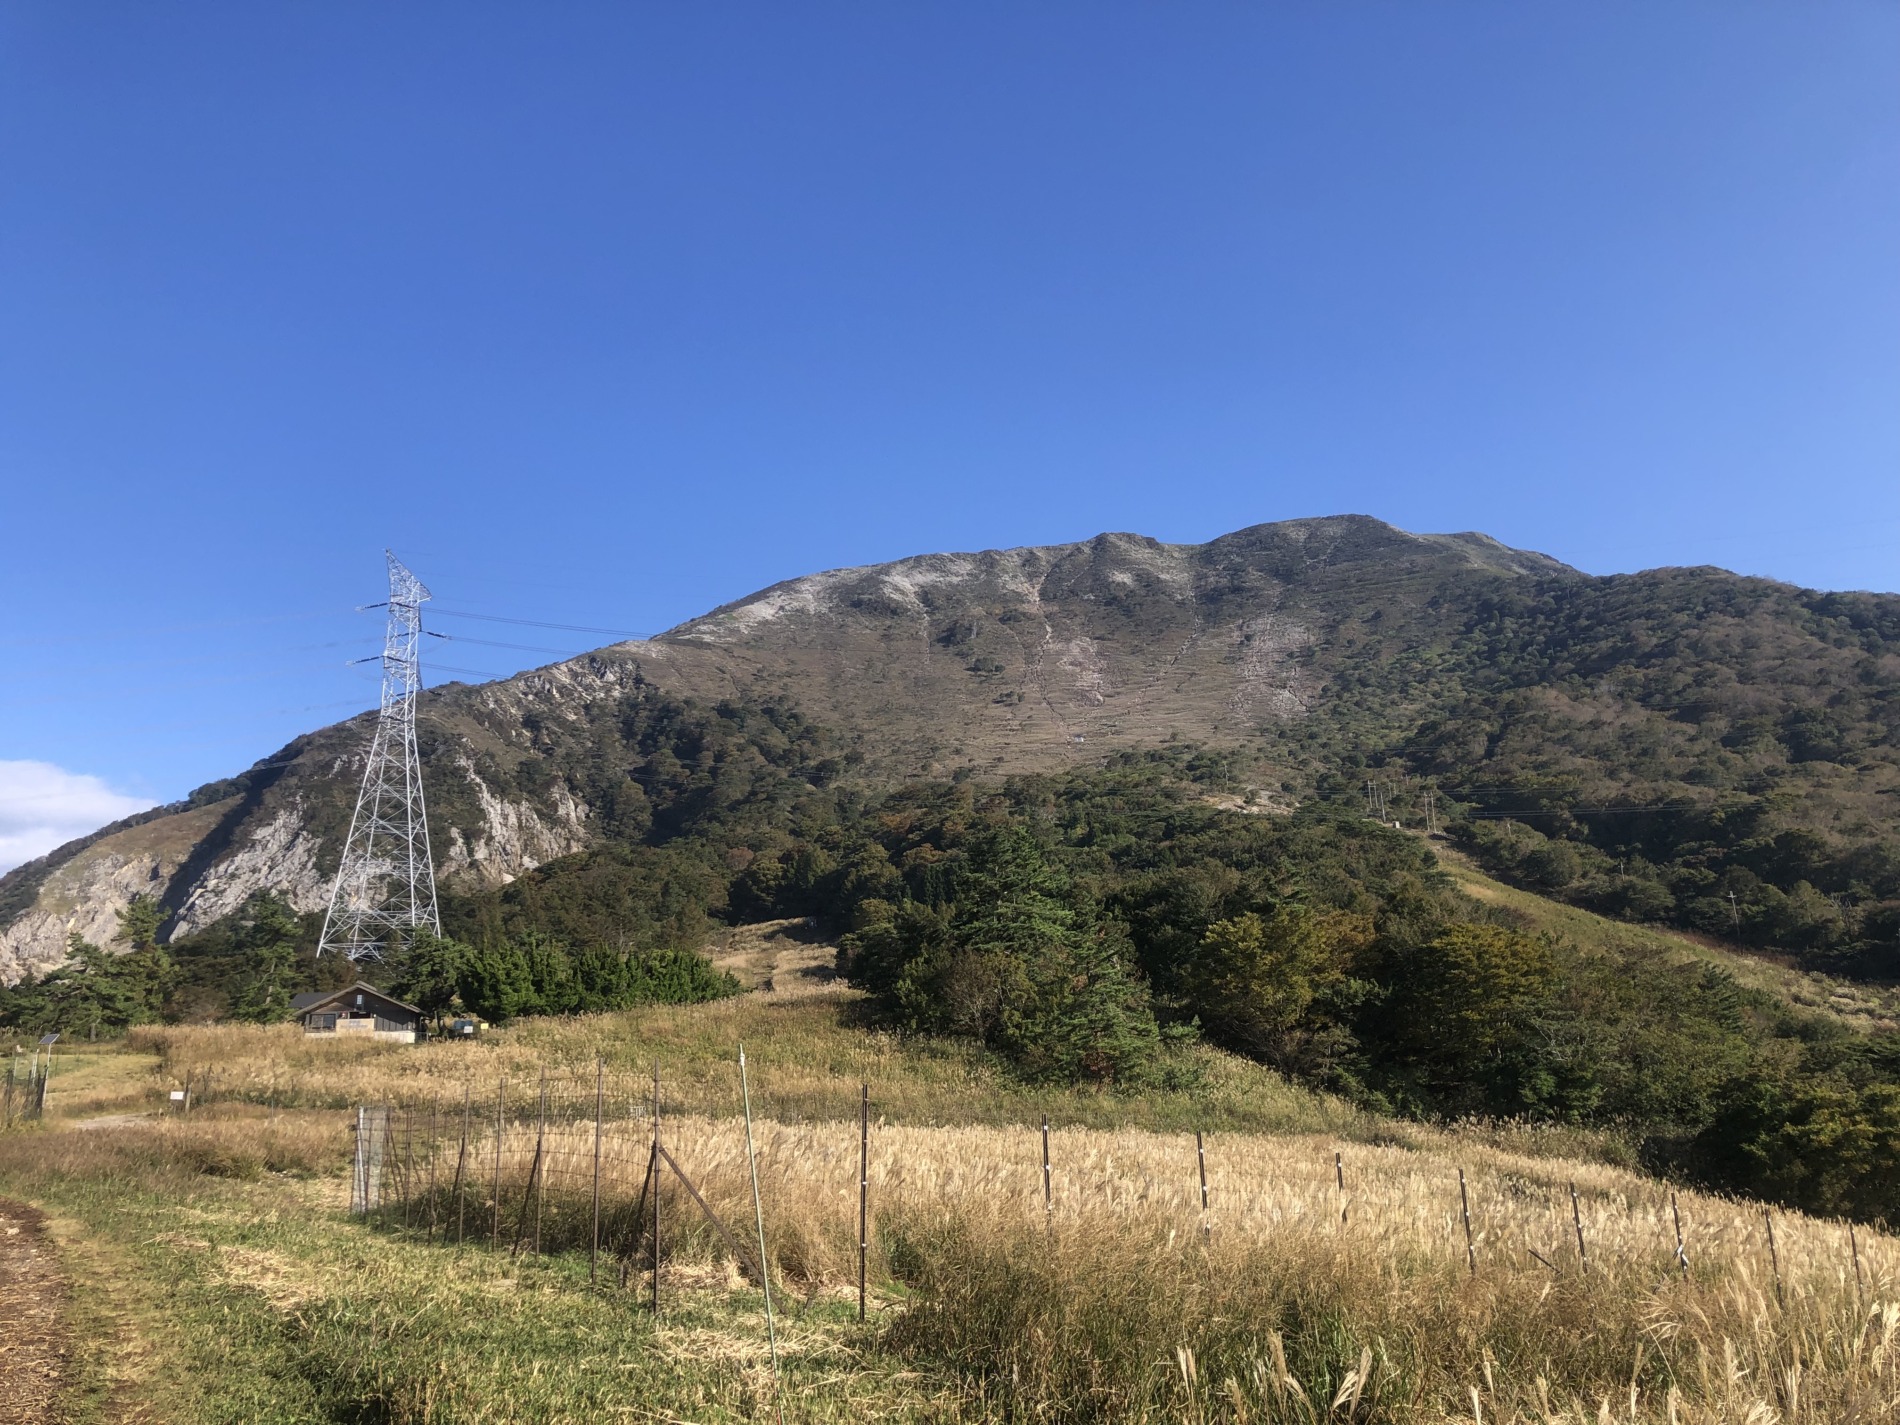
<point x="33" y="1340"/>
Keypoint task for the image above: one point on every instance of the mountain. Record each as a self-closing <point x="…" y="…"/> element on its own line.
<point x="1667" y="737"/>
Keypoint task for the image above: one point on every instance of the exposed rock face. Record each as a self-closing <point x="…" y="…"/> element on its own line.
<point x="1004" y="661"/>
<point x="279" y="855"/>
<point x="84" y="895"/>
<point x="515" y="837"/>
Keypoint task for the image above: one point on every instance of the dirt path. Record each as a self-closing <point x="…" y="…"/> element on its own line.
<point x="33" y="1344"/>
<point x="786" y="959"/>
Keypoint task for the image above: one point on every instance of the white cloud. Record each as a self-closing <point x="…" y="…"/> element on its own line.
<point x="43" y="806"/>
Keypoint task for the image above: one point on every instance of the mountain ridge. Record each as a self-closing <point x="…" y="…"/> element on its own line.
<point x="1310" y="646"/>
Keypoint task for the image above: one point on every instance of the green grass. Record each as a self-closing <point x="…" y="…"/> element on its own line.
<point x="1862" y="1005"/>
<point x="260" y="1302"/>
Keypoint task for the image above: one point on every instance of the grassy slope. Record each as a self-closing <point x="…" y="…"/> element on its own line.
<point x="1864" y="1006"/>
<point x="219" y="1279"/>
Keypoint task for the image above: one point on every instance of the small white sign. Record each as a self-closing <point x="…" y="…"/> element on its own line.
<point x="178" y="1095"/>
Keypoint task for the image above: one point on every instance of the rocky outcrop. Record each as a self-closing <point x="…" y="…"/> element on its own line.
<point x="515" y="837"/>
<point x="278" y="855"/>
<point x="84" y="895"/>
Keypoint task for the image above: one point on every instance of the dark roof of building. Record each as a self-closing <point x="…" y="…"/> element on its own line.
<point x="318" y="999"/>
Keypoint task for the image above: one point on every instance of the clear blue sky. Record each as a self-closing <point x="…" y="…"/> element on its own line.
<point x="606" y="313"/>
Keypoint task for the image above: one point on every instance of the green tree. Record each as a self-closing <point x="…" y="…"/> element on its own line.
<point x="429" y="974"/>
<point x="267" y="940"/>
<point x="1254" y="982"/>
<point x="147" y="962"/>
<point x="497" y="983"/>
<point x="92" y="991"/>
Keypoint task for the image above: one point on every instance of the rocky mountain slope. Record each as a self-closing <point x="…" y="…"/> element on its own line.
<point x="1316" y="647"/>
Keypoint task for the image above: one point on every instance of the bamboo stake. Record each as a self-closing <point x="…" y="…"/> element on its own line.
<point x="1576" y="1218"/>
<point x="600" y="1090"/>
<point x="758" y="1214"/>
<point x="1464" y="1206"/>
<point x="1774" y="1257"/>
<point x="863" y="1194"/>
<point x="434" y="1109"/>
<point x="1682" y="1256"/>
<point x="1200" y="1158"/>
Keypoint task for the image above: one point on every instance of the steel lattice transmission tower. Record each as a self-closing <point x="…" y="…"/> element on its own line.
<point x="385" y="884"/>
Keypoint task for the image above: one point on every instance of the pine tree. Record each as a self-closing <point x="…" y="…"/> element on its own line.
<point x="268" y="942"/>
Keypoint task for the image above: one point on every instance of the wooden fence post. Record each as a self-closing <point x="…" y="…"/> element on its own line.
<point x="863" y="1194"/>
<point x="758" y="1214"/>
<point x="1464" y="1206"/>
<point x="600" y="1092"/>
<point x="656" y="1189"/>
<point x="1339" y="1180"/>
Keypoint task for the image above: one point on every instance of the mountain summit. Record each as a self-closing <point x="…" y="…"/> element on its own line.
<point x="1312" y="646"/>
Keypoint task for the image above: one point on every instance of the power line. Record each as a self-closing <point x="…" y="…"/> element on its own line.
<point x="537" y="623"/>
<point x="517" y="647"/>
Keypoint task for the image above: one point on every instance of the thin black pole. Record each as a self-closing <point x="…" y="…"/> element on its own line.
<point x="1774" y="1257"/>
<point x="540" y="1143"/>
<point x="1048" y="1192"/>
<point x="461" y="1167"/>
<point x="1853" y="1246"/>
<point x="863" y="1194"/>
<point x="1200" y="1157"/>
<point x="1576" y="1218"/>
<point x="1339" y="1177"/>
<point x="501" y="1128"/>
<point x="1464" y="1206"/>
<point x="1682" y="1255"/>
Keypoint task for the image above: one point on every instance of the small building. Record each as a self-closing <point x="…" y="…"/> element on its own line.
<point x="361" y="1011"/>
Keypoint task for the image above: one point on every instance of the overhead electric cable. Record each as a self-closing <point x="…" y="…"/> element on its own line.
<point x="517" y="647"/>
<point x="537" y="623"/>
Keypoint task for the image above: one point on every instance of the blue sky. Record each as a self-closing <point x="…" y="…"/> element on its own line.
<point x="603" y="314"/>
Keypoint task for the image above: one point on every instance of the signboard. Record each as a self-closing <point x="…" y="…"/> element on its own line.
<point x="178" y="1095"/>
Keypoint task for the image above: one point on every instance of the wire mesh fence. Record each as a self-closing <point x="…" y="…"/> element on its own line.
<point x="557" y="1163"/>
<point x="609" y="1165"/>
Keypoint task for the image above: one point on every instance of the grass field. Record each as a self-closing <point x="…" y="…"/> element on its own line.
<point x="217" y="1276"/>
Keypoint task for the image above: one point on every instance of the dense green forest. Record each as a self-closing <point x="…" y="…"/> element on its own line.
<point x="1681" y="747"/>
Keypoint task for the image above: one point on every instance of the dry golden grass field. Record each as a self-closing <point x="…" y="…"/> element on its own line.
<point x="216" y="1273"/>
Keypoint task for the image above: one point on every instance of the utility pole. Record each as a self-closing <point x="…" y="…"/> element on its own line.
<point x="385" y="882"/>
<point x="1736" y="910"/>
